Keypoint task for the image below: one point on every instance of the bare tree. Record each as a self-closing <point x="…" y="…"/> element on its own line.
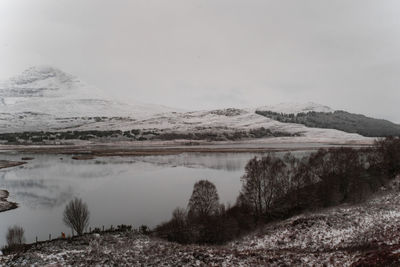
<point x="264" y="182"/>
<point x="204" y="200"/>
<point x="15" y="236"/>
<point x="76" y="215"/>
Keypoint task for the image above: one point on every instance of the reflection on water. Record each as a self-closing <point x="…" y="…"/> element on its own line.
<point x="218" y="161"/>
<point x="129" y="190"/>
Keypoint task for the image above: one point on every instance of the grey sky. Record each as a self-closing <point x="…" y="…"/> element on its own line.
<point x="211" y="53"/>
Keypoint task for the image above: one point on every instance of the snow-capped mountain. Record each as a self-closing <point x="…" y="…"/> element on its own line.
<point x="295" y="108"/>
<point x="48" y="91"/>
<point x="39" y="82"/>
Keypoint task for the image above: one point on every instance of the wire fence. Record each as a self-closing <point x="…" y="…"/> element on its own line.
<point x="89" y="230"/>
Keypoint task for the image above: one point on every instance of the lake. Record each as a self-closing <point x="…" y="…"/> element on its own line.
<point x="118" y="190"/>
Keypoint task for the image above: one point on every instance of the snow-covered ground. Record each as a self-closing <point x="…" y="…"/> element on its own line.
<point x="221" y="120"/>
<point x="336" y="228"/>
<point x="339" y="236"/>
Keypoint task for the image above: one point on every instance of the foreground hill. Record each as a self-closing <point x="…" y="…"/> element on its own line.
<point x="349" y="235"/>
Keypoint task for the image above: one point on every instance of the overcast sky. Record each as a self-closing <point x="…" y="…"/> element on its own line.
<point x="210" y="53"/>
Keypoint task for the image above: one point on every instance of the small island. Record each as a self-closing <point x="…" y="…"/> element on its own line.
<point x="4" y="204"/>
<point x="8" y="164"/>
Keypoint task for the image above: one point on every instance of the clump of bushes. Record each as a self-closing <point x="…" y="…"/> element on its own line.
<point x="205" y="221"/>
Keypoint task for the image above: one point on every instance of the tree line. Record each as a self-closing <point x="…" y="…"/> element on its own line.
<point x="42" y="137"/>
<point x="340" y="120"/>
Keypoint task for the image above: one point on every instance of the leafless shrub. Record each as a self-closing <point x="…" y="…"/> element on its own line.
<point x="76" y="215"/>
<point x="15" y="236"/>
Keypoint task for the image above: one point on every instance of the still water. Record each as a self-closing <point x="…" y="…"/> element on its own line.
<point x="118" y="190"/>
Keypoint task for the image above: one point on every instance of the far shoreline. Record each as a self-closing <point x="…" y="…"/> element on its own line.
<point x="82" y="150"/>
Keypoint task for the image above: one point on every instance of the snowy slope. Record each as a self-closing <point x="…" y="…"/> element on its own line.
<point x="50" y="92"/>
<point x="225" y="120"/>
<point x="295" y="108"/>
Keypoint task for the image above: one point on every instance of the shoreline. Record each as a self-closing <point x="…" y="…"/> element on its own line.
<point x="89" y="150"/>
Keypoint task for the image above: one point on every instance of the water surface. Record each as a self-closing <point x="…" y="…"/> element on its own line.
<point x="118" y="190"/>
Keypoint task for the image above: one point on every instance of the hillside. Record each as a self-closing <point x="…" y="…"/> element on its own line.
<point x="339" y="120"/>
<point x="216" y="125"/>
